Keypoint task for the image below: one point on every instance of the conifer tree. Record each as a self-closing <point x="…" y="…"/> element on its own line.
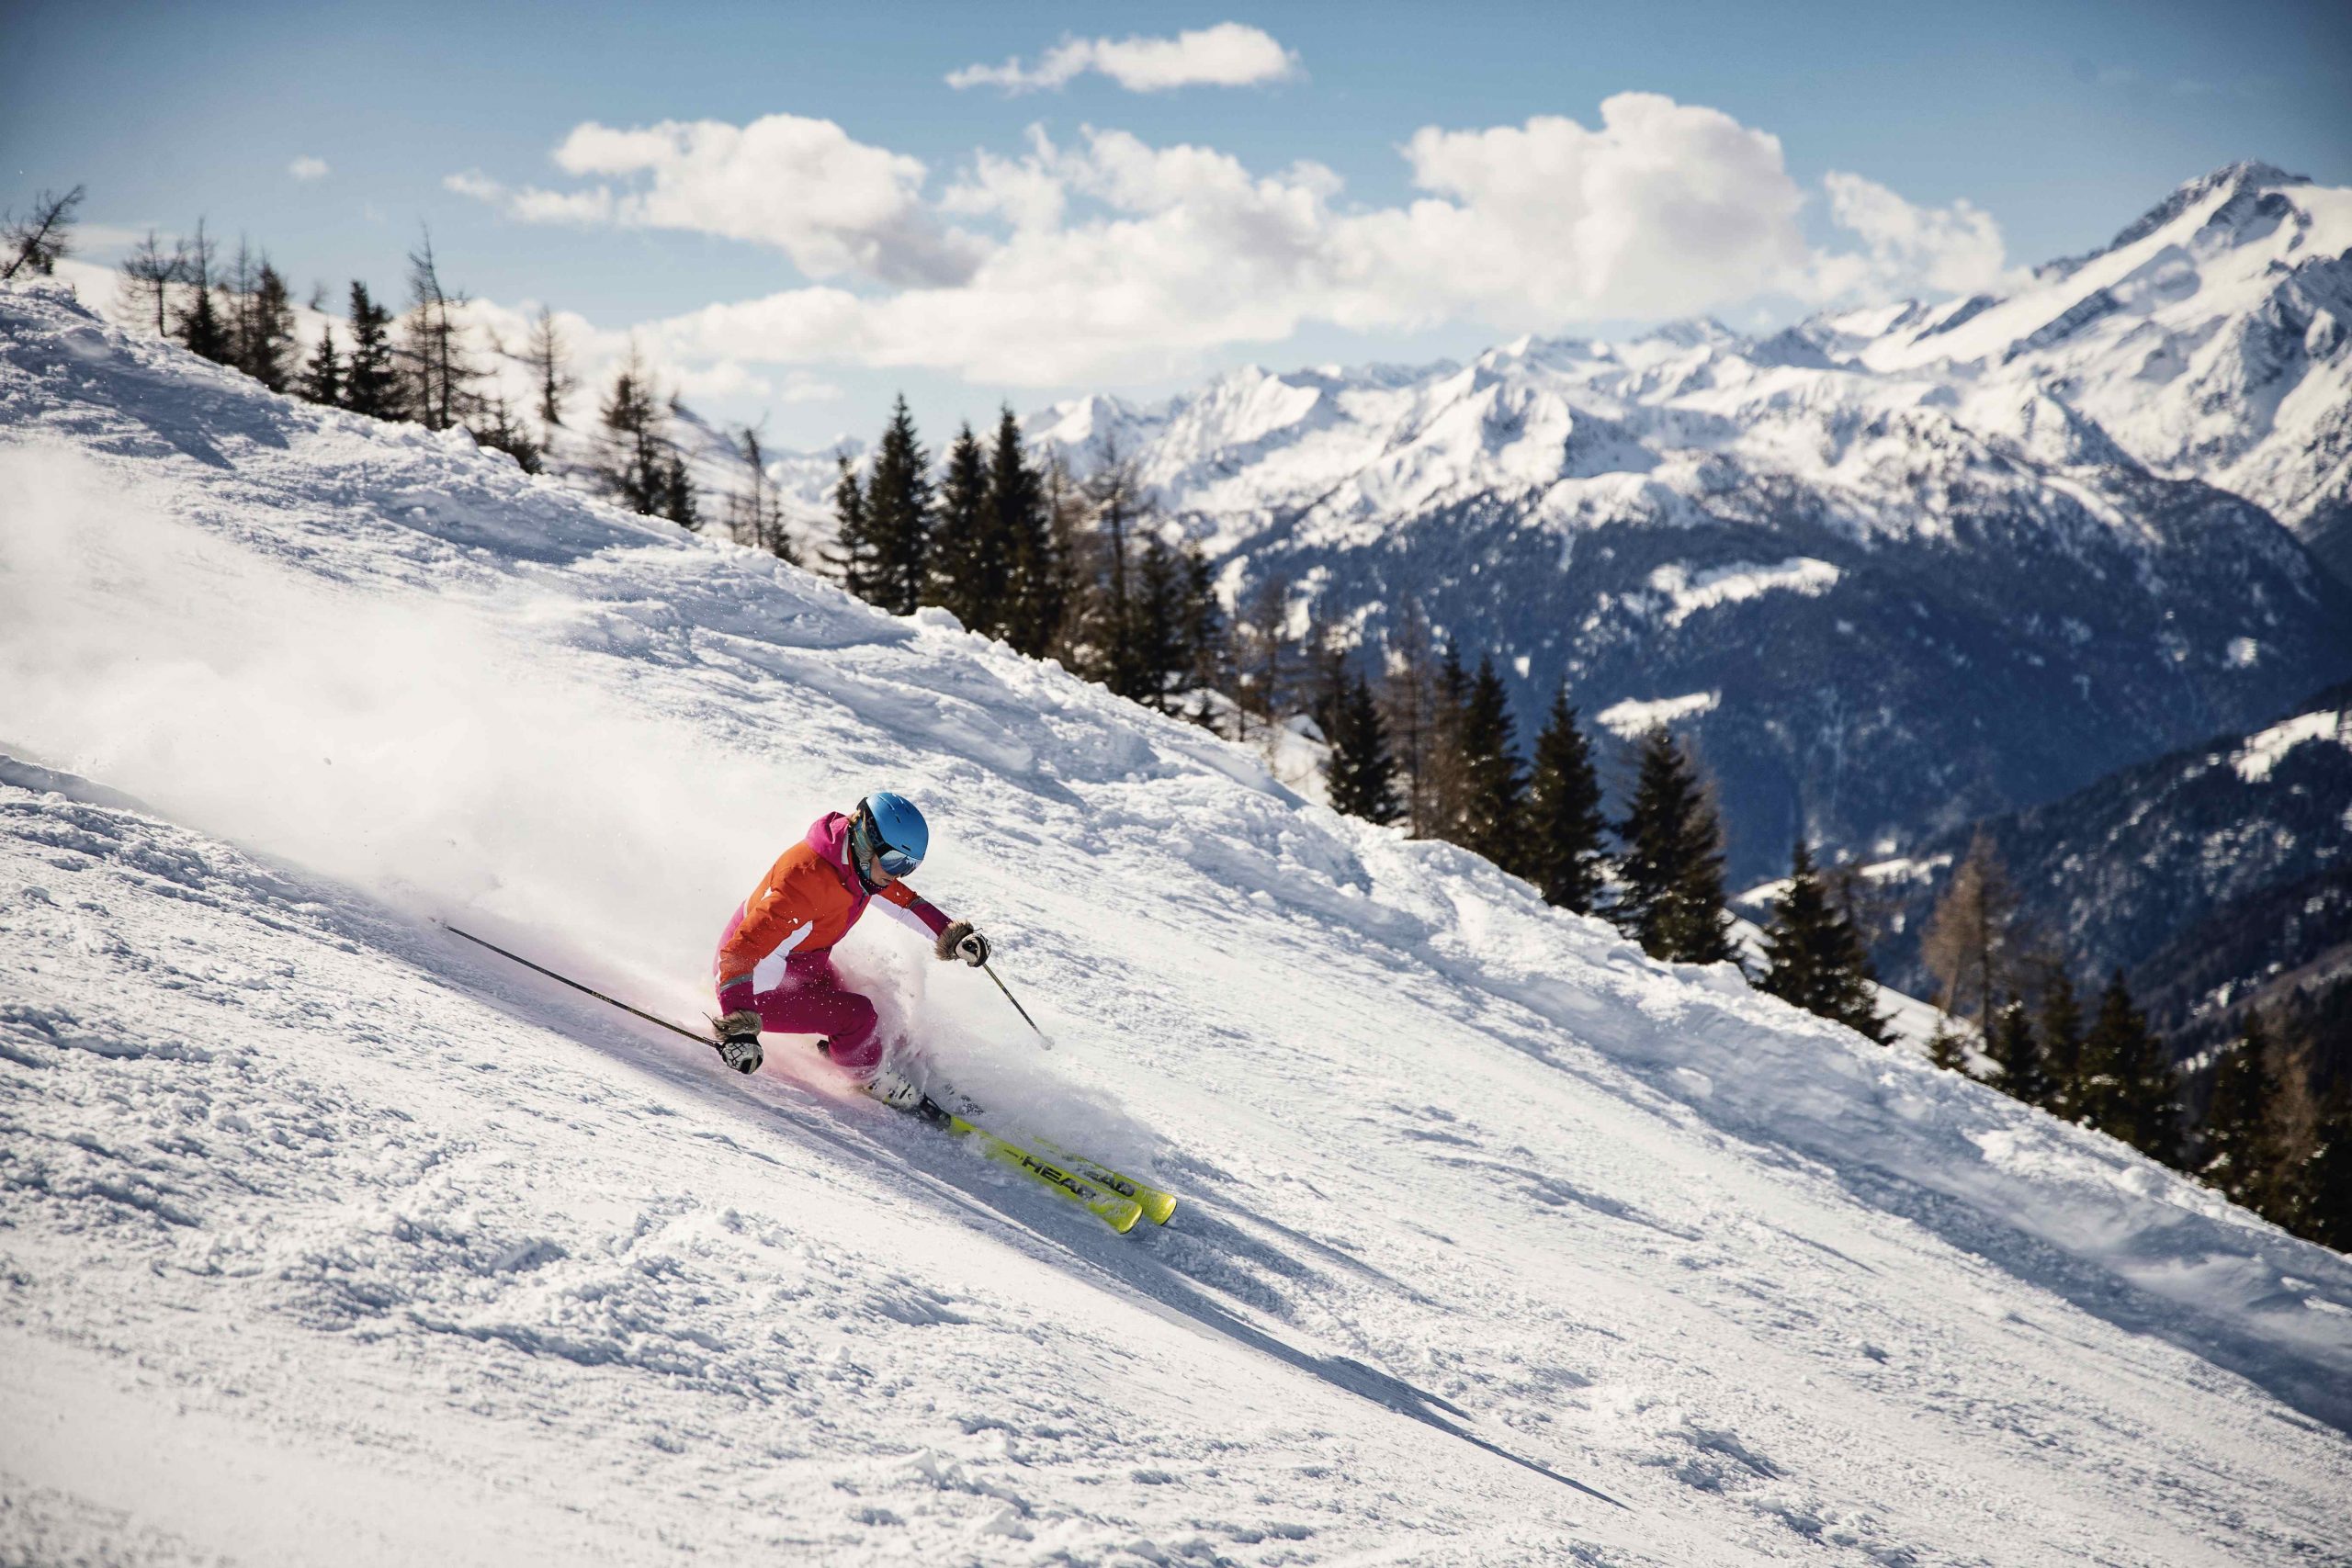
<point x="1264" y="648"/>
<point x="854" y="556"/>
<point x="969" y="564"/>
<point x="679" y="500"/>
<point x="1031" y="613"/>
<point x="1324" y="669"/>
<point x="322" y="374"/>
<point x="2062" y="1043"/>
<point x="149" y="277"/>
<point x="200" y="326"/>
<point x="496" y="428"/>
<point x="269" y="349"/>
<point x="1565" y="823"/>
<point x="2019" y="1054"/>
<point x="370" y="383"/>
<point x="1970" y="943"/>
<point x="755" y="511"/>
<point x="36" y="243"/>
<point x="2128" y="1090"/>
<point x="440" y="370"/>
<point x="1494" y="787"/>
<point x="549" y="359"/>
<point x="1813" y="957"/>
<point x="1408" y="700"/>
<point x="1157" y="654"/>
<point x="1361" y="777"/>
<point x="898" y="515"/>
<point x="1672" y="867"/>
<point x="2242" y="1154"/>
<point x="2320" y="1209"/>
<point x="633" y="459"/>
<point x="1948" y="1046"/>
<point x="1449" y="702"/>
<point x="1208" y="650"/>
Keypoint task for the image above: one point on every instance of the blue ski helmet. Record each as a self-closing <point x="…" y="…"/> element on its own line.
<point x="886" y="829"/>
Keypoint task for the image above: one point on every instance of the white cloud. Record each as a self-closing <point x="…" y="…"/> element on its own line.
<point x="1229" y="54"/>
<point x="1110" y="257"/>
<point x="833" y="205"/>
<point x="308" y="168"/>
<point x="1956" y="249"/>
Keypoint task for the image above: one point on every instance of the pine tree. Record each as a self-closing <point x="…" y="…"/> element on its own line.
<point x="1449" y="705"/>
<point x="2019" y="1054"/>
<point x="897" y="518"/>
<point x="1157" y="656"/>
<point x="1323" y="676"/>
<point x="1565" y="823"/>
<point x="440" y="370"/>
<point x="2242" y="1154"/>
<point x="1408" y="697"/>
<point x="36" y="243"/>
<point x="1031" y="616"/>
<point x="969" y="564"/>
<point x="1361" y="777"/>
<point x="1209" y="665"/>
<point x="1494" y="787"/>
<point x="1948" y="1046"/>
<point x="679" y="500"/>
<point x="496" y="427"/>
<point x="1108" y="610"/>
<point x="149" y="277"/>
<point x="852" y="556"/>
<point x="1265" y="674"/>
<point x="2321" y="1208"/>
<point x="633" y="459"/>
<point x="1970" y="943"/>
<point x="270" y="350"/>
<point x="1673" y="866"/>
<point x="1813" y="957"/>
<point x="370" y="384"/>
<point x="2128" y="1090"/>
<point x="322" y="374"/>
<point x="549" y="359"/>
<point x="755" y="511"/>
<point x="2062" y="1043"/>
<point x="200" y="326"/>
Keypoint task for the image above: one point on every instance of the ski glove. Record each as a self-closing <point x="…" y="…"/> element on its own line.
<point x="960" y="940"/>
<point x="739" y="1041"/>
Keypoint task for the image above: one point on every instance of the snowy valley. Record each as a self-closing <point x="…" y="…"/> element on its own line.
<point x="323" y="1236"/>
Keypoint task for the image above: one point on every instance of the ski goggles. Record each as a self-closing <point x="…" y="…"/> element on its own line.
<point x="870" y="844"/>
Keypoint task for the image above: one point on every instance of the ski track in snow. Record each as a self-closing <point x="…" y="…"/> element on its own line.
<point x="322" y="1238"/>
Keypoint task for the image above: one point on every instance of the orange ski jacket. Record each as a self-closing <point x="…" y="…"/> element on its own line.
<point x="808" y="901"/>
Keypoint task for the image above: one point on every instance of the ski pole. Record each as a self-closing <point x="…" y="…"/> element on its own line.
<point x="1017" y="1007"/>
<point x="561" y="979"/>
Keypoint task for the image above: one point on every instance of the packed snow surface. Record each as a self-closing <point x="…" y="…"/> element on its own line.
<point x="326" y="1237"/>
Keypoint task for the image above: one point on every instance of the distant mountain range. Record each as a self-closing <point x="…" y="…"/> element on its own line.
<point x="1895" y="570"/>
<point x="2210" y="876"/>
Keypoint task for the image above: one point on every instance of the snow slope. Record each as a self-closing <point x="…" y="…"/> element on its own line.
<point x="323" y="1236"/>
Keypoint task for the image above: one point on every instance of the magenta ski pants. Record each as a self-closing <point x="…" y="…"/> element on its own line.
<point x="809" y="999"/>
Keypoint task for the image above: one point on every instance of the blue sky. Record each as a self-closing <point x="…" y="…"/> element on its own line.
<point x="1781" y="159"/>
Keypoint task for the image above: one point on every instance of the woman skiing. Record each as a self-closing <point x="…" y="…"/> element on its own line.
<point x="774" y="968"/>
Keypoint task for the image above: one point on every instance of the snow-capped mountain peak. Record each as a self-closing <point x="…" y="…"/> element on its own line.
<point x="2070" y="490"/>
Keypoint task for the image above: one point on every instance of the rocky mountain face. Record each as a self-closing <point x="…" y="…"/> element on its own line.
<point x="2209" y="876"/>
<point x="1895" y="569"/>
